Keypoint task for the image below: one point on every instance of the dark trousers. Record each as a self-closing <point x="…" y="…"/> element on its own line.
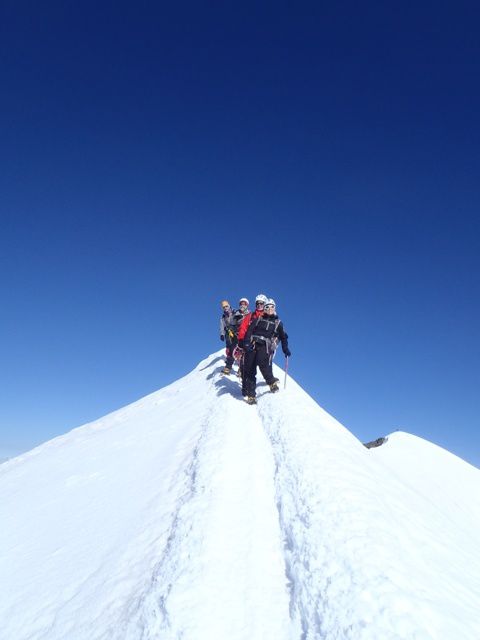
<point x="230" y="346"/>
<point x="258" y="357"/>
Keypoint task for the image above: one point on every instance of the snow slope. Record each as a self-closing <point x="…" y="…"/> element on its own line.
<point x="190" y="515"/>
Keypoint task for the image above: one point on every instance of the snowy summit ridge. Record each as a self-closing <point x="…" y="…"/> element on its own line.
<point x="190" y="515"/>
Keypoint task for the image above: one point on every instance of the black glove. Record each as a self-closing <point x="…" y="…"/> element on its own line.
<point x="286" y="352"/>
<point x="222" y="338"/>
<point x="241" y="344"/>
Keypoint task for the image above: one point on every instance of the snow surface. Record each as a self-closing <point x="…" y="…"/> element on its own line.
<point x="191" y="515"/>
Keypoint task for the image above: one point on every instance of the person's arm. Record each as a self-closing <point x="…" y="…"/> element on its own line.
<point x="244" y="326"/>
<point x="282" y="334"/>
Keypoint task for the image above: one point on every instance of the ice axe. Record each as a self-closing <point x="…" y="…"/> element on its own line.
<point x="286" y="371"/>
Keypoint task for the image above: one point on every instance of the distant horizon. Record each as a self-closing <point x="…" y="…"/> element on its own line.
<point x="4" y="456"/>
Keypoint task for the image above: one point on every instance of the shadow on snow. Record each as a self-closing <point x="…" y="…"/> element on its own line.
<point x="212" y="362"/>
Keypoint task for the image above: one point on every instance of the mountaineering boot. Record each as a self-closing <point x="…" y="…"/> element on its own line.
<point x="226" y="370"/>
<point x="251" y="400"/>
<point x="274" y="387"/>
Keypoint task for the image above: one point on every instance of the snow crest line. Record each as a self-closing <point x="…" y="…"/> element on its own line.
<point x="293" y="515"/>
<point x="222" y="571"/>
<point x="335" y="557"/>
<point x="151" y="615"/>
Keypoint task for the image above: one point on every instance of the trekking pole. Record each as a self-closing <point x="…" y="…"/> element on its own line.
<point x="286" y="370"/>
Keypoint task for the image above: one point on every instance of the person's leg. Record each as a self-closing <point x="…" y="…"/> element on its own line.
<point x="229" y="354"/>
<point x="250" y="374"/>
<point x="263" y="361"/>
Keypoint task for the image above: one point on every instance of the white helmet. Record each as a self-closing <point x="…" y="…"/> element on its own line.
<point x="244" y="300"/>
<point x="261" y="298"/>
<point x="271" y="301"/>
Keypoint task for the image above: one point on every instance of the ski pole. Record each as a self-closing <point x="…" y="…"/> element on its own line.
<point x="286" y="370"/>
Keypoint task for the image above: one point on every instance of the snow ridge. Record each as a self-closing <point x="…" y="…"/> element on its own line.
<point x="189" y="515"/>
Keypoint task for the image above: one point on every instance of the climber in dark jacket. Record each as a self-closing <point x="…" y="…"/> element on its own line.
<point x="228" y="334"/>
<point x="259" y="343"/>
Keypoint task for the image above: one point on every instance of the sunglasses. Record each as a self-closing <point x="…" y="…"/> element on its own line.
<point x="260" y="304"/>
<point x="269" y="306"/>
<point x="226" y="306"/>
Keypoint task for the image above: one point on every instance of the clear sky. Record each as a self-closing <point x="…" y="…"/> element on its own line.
<point x="155" y="160"/>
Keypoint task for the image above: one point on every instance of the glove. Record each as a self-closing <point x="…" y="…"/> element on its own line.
<point x="287" y="353"/>
<point x="241" y="344"/>
<point x="222" y="338"/>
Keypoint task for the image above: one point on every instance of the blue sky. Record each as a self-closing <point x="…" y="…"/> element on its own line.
<point x="156" y="160"/>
